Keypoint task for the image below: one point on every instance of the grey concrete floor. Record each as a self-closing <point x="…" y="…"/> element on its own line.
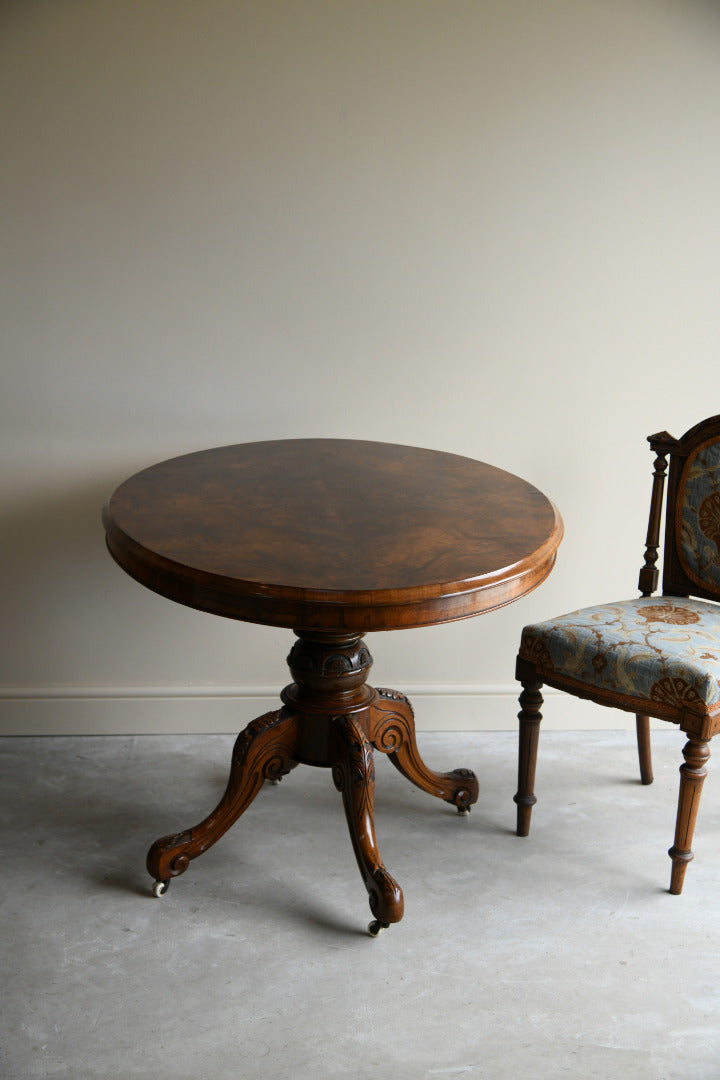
<point x="557" y="955"/>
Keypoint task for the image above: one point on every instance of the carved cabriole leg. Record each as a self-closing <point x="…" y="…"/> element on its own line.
<point x="353" y="773"/>
<point x="692" y="776"/>
<point x="392" y="730"/>
<point x="530" y="716"/>
<point x="263" y="751"/>
<point x="642" y="724"/>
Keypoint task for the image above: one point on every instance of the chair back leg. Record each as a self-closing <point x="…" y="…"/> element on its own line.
<point x="644" y="749"/>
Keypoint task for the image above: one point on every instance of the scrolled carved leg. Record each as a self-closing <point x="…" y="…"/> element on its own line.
<point x="392" y="730"/>
<point x="529" y="716"/>
<point x="263" y="751"/>
<point x="274" y="780"/>
<point x="642" y="725"/>
<point x="353" y="773"/>
<point x="692" y="777"/>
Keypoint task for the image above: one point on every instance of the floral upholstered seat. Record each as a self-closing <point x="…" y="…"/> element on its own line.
<point x="662" y="649"/>
<point x="654" y="655"/>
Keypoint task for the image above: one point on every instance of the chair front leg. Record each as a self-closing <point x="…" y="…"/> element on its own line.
<point x="529" y="716"/>
<point x="692" y="776"/>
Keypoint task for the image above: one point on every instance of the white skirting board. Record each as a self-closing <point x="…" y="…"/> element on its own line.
<point x="198" y="709"/>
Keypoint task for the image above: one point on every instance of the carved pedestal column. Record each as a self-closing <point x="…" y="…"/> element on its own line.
<point x="332" y="701"/>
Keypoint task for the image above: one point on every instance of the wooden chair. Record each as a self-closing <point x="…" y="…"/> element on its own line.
<point x="655" y="656"/>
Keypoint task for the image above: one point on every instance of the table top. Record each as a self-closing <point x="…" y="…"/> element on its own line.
<point x="333" y="534"/>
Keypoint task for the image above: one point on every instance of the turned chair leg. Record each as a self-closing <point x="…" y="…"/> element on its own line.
<point x="529" y="716"/>
<point x="692" y="776"/>
<point x="642" y="724"/>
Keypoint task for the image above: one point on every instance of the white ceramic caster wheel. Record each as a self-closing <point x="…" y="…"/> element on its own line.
<point x="375" y="927"/>
<point x="160" y="888"/>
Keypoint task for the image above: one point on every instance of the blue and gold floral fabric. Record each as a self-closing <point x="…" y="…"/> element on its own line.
<point x="662" y="648"/>
<point x="699" y="524"/>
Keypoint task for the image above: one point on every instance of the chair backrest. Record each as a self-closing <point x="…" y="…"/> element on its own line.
<point x="691" y="560"/>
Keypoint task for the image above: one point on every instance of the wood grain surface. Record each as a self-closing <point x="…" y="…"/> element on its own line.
<point x="333" y="534"/>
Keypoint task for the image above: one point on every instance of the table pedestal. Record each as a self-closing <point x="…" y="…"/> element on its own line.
<point x="330" y="717"/>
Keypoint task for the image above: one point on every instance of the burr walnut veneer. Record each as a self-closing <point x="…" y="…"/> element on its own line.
<point x="330" y="538"/>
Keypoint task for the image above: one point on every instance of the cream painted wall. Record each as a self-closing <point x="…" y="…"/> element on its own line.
<point x="491" y="227"/>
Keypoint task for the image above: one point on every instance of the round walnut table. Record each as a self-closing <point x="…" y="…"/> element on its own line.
<point x="331" y="538"/>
